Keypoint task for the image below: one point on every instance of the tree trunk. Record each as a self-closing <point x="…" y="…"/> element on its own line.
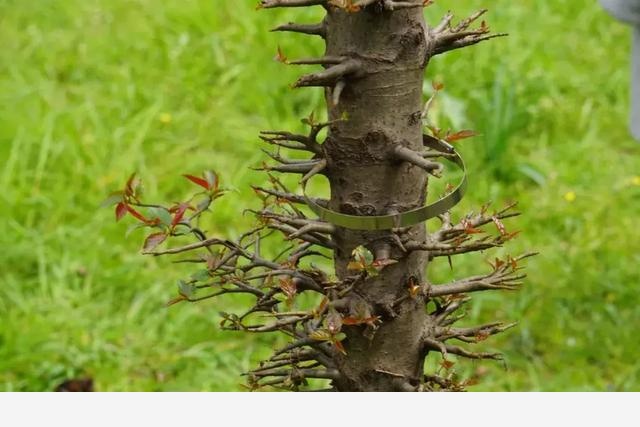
<point x="383" y="106"/>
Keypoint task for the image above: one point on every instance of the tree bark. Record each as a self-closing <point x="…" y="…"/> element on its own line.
<point x="383" y="104"/>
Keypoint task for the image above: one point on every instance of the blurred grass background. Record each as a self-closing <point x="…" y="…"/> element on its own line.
<point x="91" y="90"/>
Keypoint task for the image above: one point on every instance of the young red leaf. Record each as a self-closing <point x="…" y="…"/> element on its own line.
<point x="470" y="229"/>
<point x="132" y="186"/>
<point x="338" y="345"/>
<point x="447" y="364"/>
<point x="137" y="215"/>
<point x="153" y="240"/>
<point x="281" y="57"/>
<point x="481" y="336"/>
<point x="510" y="236"/>
<point x="463" y="134"/>
<point x="380" y="264"/>
<point x="353" y="321"/>
<point x="372" y="321"/>
<point x="177" y="217"/>
<point x="121" y="210"/>
<point x="198" y="181"/>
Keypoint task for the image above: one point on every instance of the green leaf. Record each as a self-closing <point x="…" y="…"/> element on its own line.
<point x="339" y="337"/>
<point x="185" y="289"/>
<point x="181" y="230"/>
<point x="372" y="271"/>
<point x="204" y="204"/>
<point x="200" y="275"/>
<point x="161" y="214"/>
<point x="114" y="198"/>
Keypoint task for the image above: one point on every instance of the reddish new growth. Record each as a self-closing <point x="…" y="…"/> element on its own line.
<point x="367" y="322"/>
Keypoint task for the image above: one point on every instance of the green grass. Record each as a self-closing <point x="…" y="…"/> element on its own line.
<point x="83" y="84"/>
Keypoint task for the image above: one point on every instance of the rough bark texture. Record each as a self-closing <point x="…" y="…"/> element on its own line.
<point x="383" y="104"/>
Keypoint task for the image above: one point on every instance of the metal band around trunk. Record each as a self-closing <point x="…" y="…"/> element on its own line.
<point x="403" y="219"/>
